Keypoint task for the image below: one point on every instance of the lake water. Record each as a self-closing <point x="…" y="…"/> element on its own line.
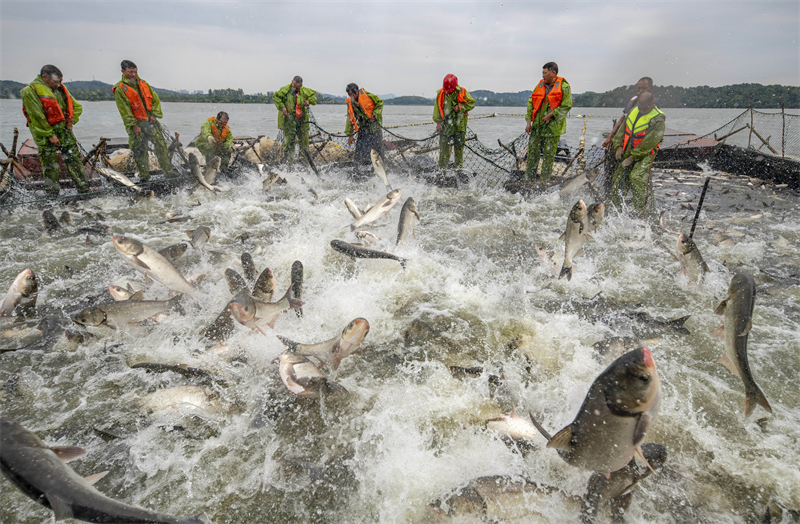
<point x="474" y="293"/>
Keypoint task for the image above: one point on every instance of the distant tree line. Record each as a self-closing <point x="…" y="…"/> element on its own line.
<point x="732" y="96"/>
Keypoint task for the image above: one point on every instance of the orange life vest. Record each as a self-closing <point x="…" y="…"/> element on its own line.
<point x="460" y="99"/>
<point x="366" y="104"/>
<point x="50" y="105"/>
<point x="554" y="97"/>
<point x="636" y="127"/>
<point x="139" y="112"/>
<point x="214" y="131"/>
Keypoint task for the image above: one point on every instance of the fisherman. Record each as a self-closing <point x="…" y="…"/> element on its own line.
<point x="216" y="139"/>
<point x="645" y="124"/>
<point x="51" y="112"/>
<point x="451" y="111"/>
<point x="140" y="108"/>
<point x="292" y="101"/>
<point x="644" y="85"/>
<point x="364" y="122"/>
<point x="546" y="127"/>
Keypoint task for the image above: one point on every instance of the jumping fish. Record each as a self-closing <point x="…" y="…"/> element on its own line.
<point x="738" y="310"/>
<point x="692" y="263"/>
<point x="174" y="252"/>
<point x="199" y="236"/>
<point x="236" y="283"/>
<point x="256" y="314"/>
<point x="574" y="237"/>
<point x="407" y="215"/>
<point x="120" y="293"/>
<point x="331" y="352"/>
<point x="50" y="221"/>
<point x="379" y="209"/>
<point x="353" y="208"/>
<point x="21" y="296"/>
<point x="272" y="179"/>
<point x="40" y="473"/>
<point x="152" y="264"/>
<point x="116" y="314"/>
<point x="116" y="176"/>
<point x="65" y="219"/>
<point x="594" y="217"/>
<point x="615" y="416"/>
<point x="366" y="236"/>
<point x="211" y="170"/>
<point x="264" y="286"/>
<point x="380" y="169"/>
<point x="297" y="285"/>
<point x="304" y="379"/>
<point x="513" y="427"/>
<point x="187" y="398"/>
<point x="194" y="166"/>
<point x="248" y="266"/>
<point x="357" y="251"/>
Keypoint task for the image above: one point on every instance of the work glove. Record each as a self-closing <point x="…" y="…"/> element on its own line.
<point x="212" y="141"/>
<point x="627" y="162"/>
<point x="619" y="153"/>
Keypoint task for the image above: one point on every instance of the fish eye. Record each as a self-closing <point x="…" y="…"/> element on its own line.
<point x="644" y="377"/>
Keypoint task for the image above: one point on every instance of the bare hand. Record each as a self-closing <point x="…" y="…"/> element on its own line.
<point x="308" y="103"/>
<point x="54" y="140"/>
<point x="547" y="117"/>
<point x="618" y="153"/>
<point x="153" y="119"/>
<point x="607" y="142"/>
<point x="285" y="111"/>
<point x="528" y="128"/>
<point x="627" y="162"/>
<point x="68" y="126"/>
<point x="137" y="130"/>
<point x="438" y="126"/>
<point x="350" y="141"/>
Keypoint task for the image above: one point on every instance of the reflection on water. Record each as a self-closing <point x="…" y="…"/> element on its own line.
<point x="475" y="293"/>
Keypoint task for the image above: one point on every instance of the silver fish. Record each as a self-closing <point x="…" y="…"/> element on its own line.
<point x="366" y="236"/>
<point x="615" y="416"/>
<point x="174" y="252"/>
<point x="406" y="224"/>
<point x="65" y="218"/>
<point x="248" y="266"/>
<point x="353" y="208"/>
<point x="264" y="286"/>
<point x="357" y="251"/>
<point x="50" y="221"/>
<point x="574" y="237"/>
<point x="186" y="398"/>
<point x="304" y="379"/>
<point x="297" y="285"/>
<point x="738" y="310"/>
<point x="117" y="314"/>
<point x="514" y="427"/>
<point x="379" y="209"/>
<point x="152" y="264"/>
<point x="236" y="283"/>
<point x="21" y="296"/>
<point x="199" y="237"/>
<point x="211" y="170"/>
<point x="331" y="352"/>
<point x="692" y="263"/>
<point x="271" y="180"/>
<point x="120" y="293"/>
<point x="380" y="169"/>
<point x="594" y="217"/>
<point x="194" y="167"/>
<point x="116" y="176"/>
<point x="256" y="314"/>
<point x="40" y="473"/>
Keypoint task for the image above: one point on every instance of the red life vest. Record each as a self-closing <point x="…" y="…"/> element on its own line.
<point x="554" y="97"/>
<point x="139" y="112"/>
<point x="214" y="131"/>
<point x="366" y="104"/>
<point x="50" y="105"/>
<point x="636" y="127"/>
<point x="460" y="99"/>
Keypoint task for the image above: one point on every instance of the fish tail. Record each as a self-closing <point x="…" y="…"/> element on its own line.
<point x="295" y="303"/>
<point x="752" y="397"/>
<point x="565" y="271"/>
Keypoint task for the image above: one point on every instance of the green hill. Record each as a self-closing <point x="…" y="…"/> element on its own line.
<point x="732" y="96"/>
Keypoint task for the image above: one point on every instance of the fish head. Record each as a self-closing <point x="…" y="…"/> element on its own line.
<point x="355" y="331"/>
<point x="92" y="316"/>
<point x="13" y="433"/>
<point x="374" y="155"/>
<point x="243" y="309"/>
<point x="395" y="194"/>
<point x="50" y="219"/>
<point x="741" y="281"/>
<point x="128" y="246"/>
<point x="119" y="293"/>
<point x="26" y="282"/>
<point x="630" y="383"/>
<point x="578" y="212"/>
<point x="685" y="243"/>
<point x="596" y="212"/>
<point x="193" y="162"/>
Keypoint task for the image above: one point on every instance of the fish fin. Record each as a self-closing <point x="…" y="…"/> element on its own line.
<point x="513" y="411"/>
<point x="562" y="440"/>
<point x="588" y="237"/>
<point x="752" y="398"/>
<point x="705" y="267"/>
<point x="61" y="508"/>
<point x="642" y="426"/>
<point x="719" y="332"/>
<point x="679" y="322"/>
<point x="637" y="454"/>
<point x="294" y="303"/>
<point x="720" y="309"/>
<point x="746" y="329"/>
<point x="67" y="453"/>
<point x="607" y="475"/>
<point x="725" y="361"/>
<point x="580" y="252"/>
<point x="538" y="426"/>
<point x="139" y="263"/>
<point x="189" y="233"/>
<point x="291" y="344"/>
<point x="147" y="280"/>
<point x="563" y="236"/>
<point x="139" y="295"/>
<point x="92" y="479"/>
<point x="565" y="271"/>
<point x="270" y="324"/>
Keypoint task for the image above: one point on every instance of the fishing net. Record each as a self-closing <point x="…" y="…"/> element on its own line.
<point x="482" y="166"/>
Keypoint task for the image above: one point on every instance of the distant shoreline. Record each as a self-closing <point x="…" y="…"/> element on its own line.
<point x="738" y="96"/>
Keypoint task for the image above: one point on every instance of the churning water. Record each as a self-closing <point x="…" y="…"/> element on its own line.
<point x="474" y="293"/>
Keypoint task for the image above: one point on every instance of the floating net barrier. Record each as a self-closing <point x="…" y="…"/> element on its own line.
<point x="481" y="166"/>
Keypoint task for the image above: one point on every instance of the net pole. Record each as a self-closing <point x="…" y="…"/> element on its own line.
<point x="750" y="136"/>
<point x="783" y="132"/>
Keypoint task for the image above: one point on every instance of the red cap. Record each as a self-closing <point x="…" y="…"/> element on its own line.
<point x="450" y="83"/>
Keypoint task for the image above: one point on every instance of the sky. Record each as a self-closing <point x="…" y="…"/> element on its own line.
<point x="404" y="48"/>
